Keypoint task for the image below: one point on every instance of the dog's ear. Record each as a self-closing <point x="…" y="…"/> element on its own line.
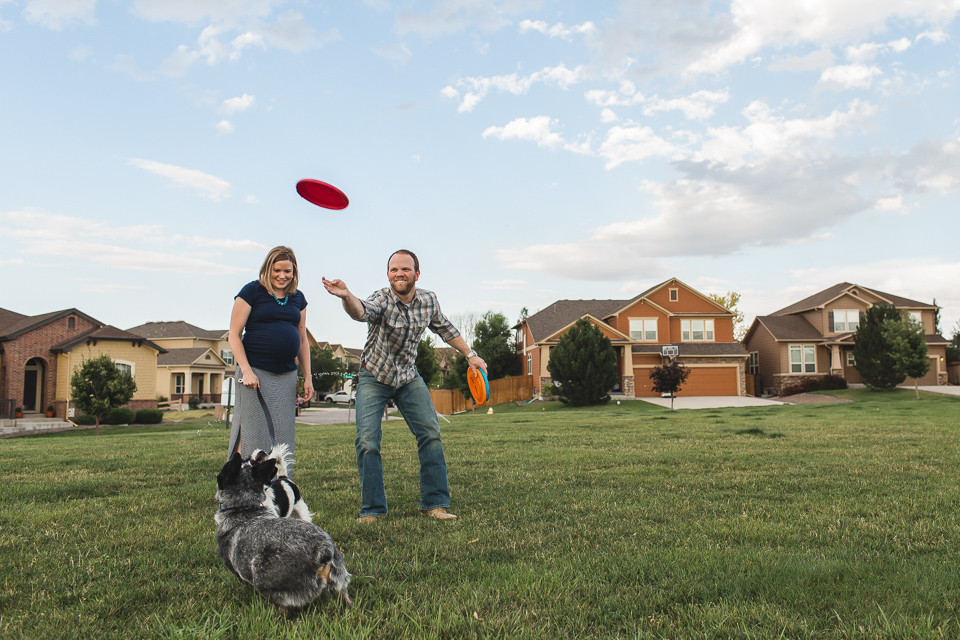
<point x="265" y="471"/>
<point x="230" y="470"/>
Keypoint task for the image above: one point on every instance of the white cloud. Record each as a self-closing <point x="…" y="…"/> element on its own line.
<point x="936" y="36"/>
<point x="535" y="129"/>
<point x="812" y="61"/>
<point x="224" y="127"/>
<point x="450" y="16"/>
<point x="626" y="96"/>
<point x="195" y="11"/>
<point x="558" y="30"/>
<point x="57" y="14"/>
<point x="634" y="142"/>
<point x="179" y="61"/>
<point x="608" y="115"/>
<point x="851" y="76"/>
<point x="477" y="88"/>
<point x="212" y="187"/>
<point x="239" y="103"/>
<point x="393" y="51"/>
<point x="696" y="106"/>
<point x="11" y="261"/>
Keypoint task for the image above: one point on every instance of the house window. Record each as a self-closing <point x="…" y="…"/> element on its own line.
<point x="803" y="358"/>
<point x="227" y="356"/>
<point x="178" y="383"/>
<point x="850" y="361"/>
<point x="916" y="316"/>
<point x="644" y="329"/>
<point x="529" y="364"/>
<point x="71" y="323"/>
<point x="696" y="330"/>
<point x="753" y="363"/>
<point x="846" y="320"/>
<point x="674" y="295"/>
<point x="124" y="367"/>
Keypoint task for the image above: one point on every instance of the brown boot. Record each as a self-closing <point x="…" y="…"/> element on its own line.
<point x="439" y="513"/>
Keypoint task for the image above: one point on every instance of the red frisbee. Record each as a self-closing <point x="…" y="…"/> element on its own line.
<point x="322" y="194"/>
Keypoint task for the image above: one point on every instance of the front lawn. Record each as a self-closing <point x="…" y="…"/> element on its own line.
<point x="623" y="521"/>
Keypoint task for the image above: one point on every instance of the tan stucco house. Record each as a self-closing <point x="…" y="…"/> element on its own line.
<point x="814" y="337"/>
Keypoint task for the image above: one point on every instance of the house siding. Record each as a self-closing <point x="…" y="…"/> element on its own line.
<point x="763" y="343"/>
<point x="143" y="358"/>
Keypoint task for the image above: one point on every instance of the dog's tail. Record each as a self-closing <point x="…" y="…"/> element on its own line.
<point x="281" y="453"/>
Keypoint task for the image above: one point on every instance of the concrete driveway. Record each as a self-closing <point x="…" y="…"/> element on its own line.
<point x="949" y="391"/>
<point x="332" y="415"/>
<point x="712" y="402"/>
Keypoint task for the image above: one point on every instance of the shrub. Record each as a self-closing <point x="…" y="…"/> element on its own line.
<point x="85" y="419"/>
<point x="549" y="390"/>
<point x="119" y="415"/>
<point x="823" y="383"/>
<point x="149" y="416"/>
<point x="194" y="402"/>
<point x="163" y="399"/>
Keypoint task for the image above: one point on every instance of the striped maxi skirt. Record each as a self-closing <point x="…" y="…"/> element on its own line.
<point x="249" y="424"/>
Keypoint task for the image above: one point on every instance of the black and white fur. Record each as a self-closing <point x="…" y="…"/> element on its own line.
<point x="288" y="561"/>
<point x="282" y="495"/>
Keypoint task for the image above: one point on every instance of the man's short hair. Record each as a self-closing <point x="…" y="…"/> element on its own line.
<point x="416" y="262"/>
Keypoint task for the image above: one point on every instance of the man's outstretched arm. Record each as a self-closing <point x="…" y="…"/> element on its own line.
<point x="351" y="303"/>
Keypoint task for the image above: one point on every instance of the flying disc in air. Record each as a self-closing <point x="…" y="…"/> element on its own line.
<point x="322" y="194"/>
<point x="479" y="387"/>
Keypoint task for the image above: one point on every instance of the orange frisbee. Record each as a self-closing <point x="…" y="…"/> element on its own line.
<point x="479" y="386"/>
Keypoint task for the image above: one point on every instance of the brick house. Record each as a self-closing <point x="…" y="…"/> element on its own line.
<point x="814" y="337"/>
<point x="38" y="355"/>
<point x="670" y="316"/>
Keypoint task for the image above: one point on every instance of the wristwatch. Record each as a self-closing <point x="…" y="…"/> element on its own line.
<point x="471" y="354"/>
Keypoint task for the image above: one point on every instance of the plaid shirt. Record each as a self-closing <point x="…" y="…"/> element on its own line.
<point x="394" y="331"/>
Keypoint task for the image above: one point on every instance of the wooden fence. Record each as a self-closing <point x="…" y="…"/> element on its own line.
<point x="450" y="401"/>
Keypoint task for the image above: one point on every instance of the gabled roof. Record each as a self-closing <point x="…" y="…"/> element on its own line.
<point x="789" y="328"/>
<point x="175" y="329"/>
<point x="655" y="288"/>
<point x="601" y="325"/>
<point x="184" y="357"/>
<point x="561" y="313"/>
<point x="106" y="333"/>
<point x="13" y="324"/>
<point x="822" y="298"/>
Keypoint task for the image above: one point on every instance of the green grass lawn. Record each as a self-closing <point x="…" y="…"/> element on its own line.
<point x="629" y="521"/>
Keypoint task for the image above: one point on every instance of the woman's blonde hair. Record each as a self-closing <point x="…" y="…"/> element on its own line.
<point x="278" y="254"/>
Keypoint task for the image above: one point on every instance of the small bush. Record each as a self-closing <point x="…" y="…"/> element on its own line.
<point x="194" y="402"/>
<point x="163" y="399"/>
<point x="85" y="419"/>
<point x="149" y="416"/>
<point x="823" y="383"/>
<point x="119" y="415"/>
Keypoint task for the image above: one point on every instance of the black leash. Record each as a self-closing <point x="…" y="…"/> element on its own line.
<point x="266" y="414"/>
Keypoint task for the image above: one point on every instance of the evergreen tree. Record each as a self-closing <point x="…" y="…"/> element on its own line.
<point x="494" y="343"/>
<point x="669" y="378"/>
<point x="953" y="349"/>
<point x="583" y="365"/>
<point x="908" y="347"/>
<point x="427" y="365"/>
<point x="872" y="353"/>
<point x="97" y="386"/>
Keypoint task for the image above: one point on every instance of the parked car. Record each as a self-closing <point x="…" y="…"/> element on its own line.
<point x="342" y="397"/>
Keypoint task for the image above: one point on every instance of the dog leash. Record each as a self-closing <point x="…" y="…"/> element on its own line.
<point x="266" y="414"/>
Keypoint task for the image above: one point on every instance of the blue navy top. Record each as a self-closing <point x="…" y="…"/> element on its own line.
<point x="271" y="338"/>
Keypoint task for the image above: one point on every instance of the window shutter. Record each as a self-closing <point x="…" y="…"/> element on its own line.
<point x="830" y="322"/>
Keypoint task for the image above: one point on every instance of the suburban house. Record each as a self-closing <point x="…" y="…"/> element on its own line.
<point x="38" y="355"/>
<point x="814" y="337"/>
<point x="669" y="320"/>
<point x="195" y="363"/>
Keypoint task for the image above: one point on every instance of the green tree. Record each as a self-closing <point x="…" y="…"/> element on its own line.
<point x="97" y="386"/>
<point x="872" y="352"/>
<point x="669" y="378"/>
<point x="325" y="370"/>
<point x="583" y="365"/>
<point x="426" y="363"/>
<point x="494" y="343"/>
<point x="456" y="378"/>
<point x="730" y="302"/>
<point x="908" y="347"/>
<point x="953" y="349"/>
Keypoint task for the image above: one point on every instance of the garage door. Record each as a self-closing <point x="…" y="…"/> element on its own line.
<point x="929" y="379"/>
<point x="703" y="381"/>
<point x="711" y="381"/>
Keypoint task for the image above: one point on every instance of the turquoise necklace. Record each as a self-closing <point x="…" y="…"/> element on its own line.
<point x="279" y="301"/>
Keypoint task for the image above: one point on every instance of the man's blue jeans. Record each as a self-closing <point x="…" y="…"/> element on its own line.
<point x="413" y="400"/>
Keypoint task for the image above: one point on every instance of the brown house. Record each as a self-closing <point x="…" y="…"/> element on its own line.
<point x="670" y="318"/>
<point x="814" y="337"/>
<point x="38" y="355"/>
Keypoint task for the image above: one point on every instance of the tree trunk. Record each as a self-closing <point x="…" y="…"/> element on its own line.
<point x="916" y="387"/>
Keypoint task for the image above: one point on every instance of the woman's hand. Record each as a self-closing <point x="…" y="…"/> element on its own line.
<point x="307" y="391"/>
<point x="249" y="379"/>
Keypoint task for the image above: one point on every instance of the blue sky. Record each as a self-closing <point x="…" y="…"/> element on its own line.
<point x="527" y="151"/>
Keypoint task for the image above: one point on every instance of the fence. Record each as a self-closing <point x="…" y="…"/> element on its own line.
<point x="450" y="401"/>
<point x="6" y="409"/>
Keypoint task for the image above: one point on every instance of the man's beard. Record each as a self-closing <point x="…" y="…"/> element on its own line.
<point x="402" y="288"/>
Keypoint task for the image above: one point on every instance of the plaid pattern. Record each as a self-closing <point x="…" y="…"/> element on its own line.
<point x="394" y="330"/>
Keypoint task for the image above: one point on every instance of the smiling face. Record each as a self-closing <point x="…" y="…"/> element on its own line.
<point x="281" y="273"/>
<point x="402" y="275"/>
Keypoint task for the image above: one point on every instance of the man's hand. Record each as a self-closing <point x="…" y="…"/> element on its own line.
<point x="476" y="362"/>
<point x="336" y="288"/>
